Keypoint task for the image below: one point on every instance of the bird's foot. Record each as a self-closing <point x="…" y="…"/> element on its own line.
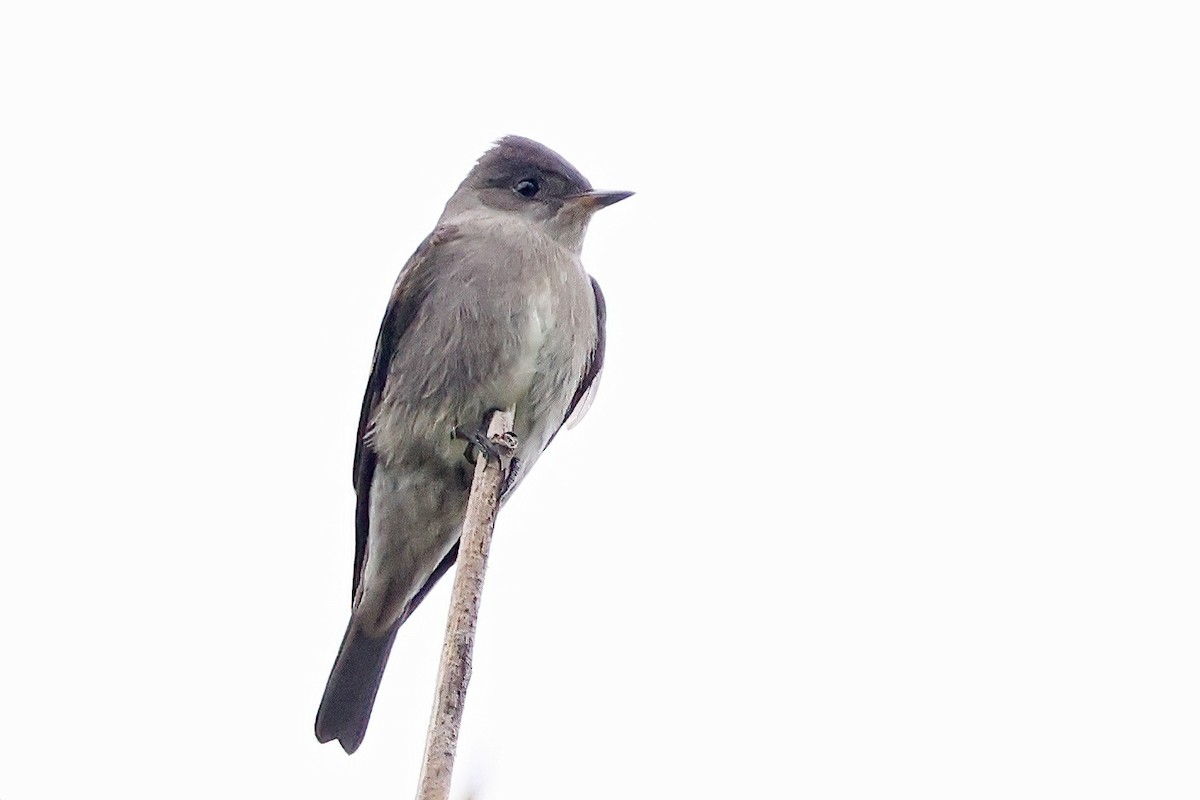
<point x="499" y="448"/>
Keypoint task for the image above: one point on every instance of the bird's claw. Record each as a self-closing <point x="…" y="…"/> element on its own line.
<point x="500" y="448"/>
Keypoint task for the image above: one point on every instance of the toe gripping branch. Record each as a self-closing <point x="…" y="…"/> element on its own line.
<point x="500" y="449"/>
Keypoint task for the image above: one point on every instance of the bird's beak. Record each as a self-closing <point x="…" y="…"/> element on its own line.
<point x="594" y="200"/>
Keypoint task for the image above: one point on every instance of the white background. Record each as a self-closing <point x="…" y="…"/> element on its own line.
<point x="890" y="490"/>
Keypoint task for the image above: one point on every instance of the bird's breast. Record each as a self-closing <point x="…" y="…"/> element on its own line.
<point x="505" y="327"/>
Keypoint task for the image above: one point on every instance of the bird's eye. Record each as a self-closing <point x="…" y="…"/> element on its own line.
<point x="526" y="187"/>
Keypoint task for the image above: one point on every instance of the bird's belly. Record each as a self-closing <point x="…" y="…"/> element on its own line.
<point x="518" y="365"/>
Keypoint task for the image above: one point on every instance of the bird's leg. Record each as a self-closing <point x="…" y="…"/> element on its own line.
<point x="499" y="448"/>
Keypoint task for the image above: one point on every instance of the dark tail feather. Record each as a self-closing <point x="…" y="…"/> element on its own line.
<point x="350" y="693"/>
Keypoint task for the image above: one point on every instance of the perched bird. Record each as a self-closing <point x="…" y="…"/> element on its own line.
<point x="494" y="310"/>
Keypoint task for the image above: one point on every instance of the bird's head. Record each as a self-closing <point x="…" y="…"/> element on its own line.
<point x="522" y="177"/>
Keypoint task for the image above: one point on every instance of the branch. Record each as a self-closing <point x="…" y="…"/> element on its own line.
<point x="455" y="670"/>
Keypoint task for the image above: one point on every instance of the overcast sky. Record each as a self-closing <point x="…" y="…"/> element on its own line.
<point x="890" y="490"/>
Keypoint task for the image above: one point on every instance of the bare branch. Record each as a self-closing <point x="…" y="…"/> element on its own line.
<point x="455" y="670"/>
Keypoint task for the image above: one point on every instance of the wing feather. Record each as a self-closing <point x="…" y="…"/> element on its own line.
<point x="412" y="286"/>
<point x="590" y="382"/>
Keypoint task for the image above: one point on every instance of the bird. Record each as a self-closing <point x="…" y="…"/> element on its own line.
<point x="493" y="311"/>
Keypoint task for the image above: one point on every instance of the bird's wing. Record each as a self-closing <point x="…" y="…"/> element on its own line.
<point x="590" y="382"/>
<point x="407" y="295"/>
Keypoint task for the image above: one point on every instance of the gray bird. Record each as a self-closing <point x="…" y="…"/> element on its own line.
<point x="494" y="310"/>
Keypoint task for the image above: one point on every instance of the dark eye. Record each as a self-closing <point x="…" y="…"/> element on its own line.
<point x="526" y="188"/>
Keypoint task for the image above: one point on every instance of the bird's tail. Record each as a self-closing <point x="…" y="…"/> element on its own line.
<point x="346" y="707"/>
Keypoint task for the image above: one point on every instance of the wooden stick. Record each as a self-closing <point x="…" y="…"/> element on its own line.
<point x="455" y="670"/>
